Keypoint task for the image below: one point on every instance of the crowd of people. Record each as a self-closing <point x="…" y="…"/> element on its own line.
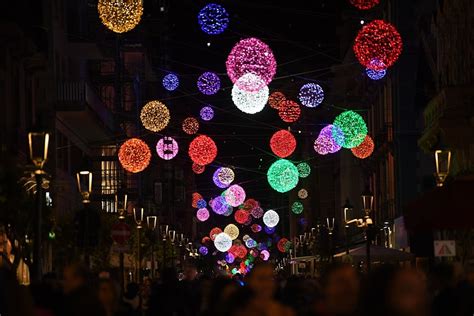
<point x="340" y="290"/>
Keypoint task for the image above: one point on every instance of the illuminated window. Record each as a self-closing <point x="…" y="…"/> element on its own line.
<point x="109" y="178"/>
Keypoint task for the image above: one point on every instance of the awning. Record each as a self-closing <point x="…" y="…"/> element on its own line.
<point x="447" y="207"/>
<point x="377" y="253"/>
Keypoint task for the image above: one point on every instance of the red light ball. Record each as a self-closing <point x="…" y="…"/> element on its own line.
<point x="134" y="155"/>
<point x="241" y="251"/>
<point x="205" y="240"/>
<point x="364" y="4"/>
<point x="241" y="216"/>
<point x="283" y="143"/>
<point x="198" y="169"/>
<point x="190" y="125"/>
<point x="214" y="232"/>
<point x="365" y="149"/>
<point x="275" y="99"/>
<point x="289" y="111"/>
<point x="202" y="150"/>
<point x="195" y="198"/>
<point x="283" y="245"/>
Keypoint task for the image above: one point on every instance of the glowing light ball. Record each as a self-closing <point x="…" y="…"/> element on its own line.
<point x="251" y="55"/>
<point x="217" y="182"/>
<point x="201" y="203"/>
<point x="170" y="82"/>
<point x="302" y="194"/>
<point x="202" y="150"/>
<point x="134" y="155"/>
<point x="283" y="143"/>
<point x="120" y="16"/>
<point x="254" y="253"/>
<point x="219" y="205"/>
<point x="304" y="169"/>
<point x="209" y="83"/>
<point x="250" y="83"/>
<point x="250" y="204"/>
<point x="196" y="197"/>
<point x="297" y="207"/>
<point x="245" y="237"/>
<point x="190" y="125"/>
<point x="289" y="111"/>
<point x="282" y="175"/>
<point x="232" y="231"/>
<point x="234" y="195"/>
<point x="256" y="228"/>
<point x="198" y="169"/>
<point x="378" y="40"/>
<point x="155" y="116"/>
<point x="311" y="95"/>
<point x="214" y="232"/>
<point x="365" y="149"/>
<point x="202" y="214"/>
<point x="271" y="218"/>
<point x="249" y="102"/>
<point x="257" y="212"/>
<point x="241" y="216"/>
<point x="203" y="250"/>
<point x="250" y="243"/>
<point x="325" y="143"/>
<point x="213" y="19"/>
<point x="206" y="113"/>
<point x="222" y="242"/>
<point x="167" y="148"/>
<point x="275" y="99"/>
<point x="364" y="4"/>
<point x="229" y="258"/>
<point x="353" y="129"/>
<point x="375" y="74"/>
<point x="283" y="245"/>
<point x="264" y="255"/>
<point x="223" y="177"/>
<point x="241" y="251"/>
<point x="269" y="230"/>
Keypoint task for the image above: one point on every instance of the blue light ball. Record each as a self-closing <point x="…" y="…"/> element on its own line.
<point x="201" y="203"/>
<point x="375" y="74"/>
<point x="269" y="230"/>
<point x="207" y="113"/>
<point x="213" y="19"/>
<point x="170" y="82"/>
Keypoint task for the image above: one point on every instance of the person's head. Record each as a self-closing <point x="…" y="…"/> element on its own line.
<point x="261" y="280"/>
<point x="190" y="270"/>
<point x="108" y="294"/>
<point x="340" y="284"/>
<point x="75" y="276"/>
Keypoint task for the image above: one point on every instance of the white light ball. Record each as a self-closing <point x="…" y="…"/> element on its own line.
<point x="271" y="218"/>
<point x="222" y="242"/>
<point x="249" y="102"/>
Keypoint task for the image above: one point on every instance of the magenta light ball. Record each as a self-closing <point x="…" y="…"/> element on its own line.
<point x="167" y="148"/>
<point x="202" y="214"/>
<point x="234" y="195"/>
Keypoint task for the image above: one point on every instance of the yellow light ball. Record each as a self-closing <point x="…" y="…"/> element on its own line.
<point x="120" y="16"/>
<point x="155" y="116"/>
<point x="232" y="231"/>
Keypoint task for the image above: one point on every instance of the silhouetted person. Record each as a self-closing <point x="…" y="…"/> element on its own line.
<point x="109" y="297"/>
<point x="166" y="298"/>
<point x="190" y="288"/>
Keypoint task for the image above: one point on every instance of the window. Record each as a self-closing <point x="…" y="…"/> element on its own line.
<point x="109" y="178"/>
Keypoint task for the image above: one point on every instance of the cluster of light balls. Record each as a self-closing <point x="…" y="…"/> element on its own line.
<point x="213" y="19"/>
<point x="155" y="116"/>
<point x="247" y="97"/>
<point x="349" y="129"/>
<point x="120" y="16"/>
<point x="209" y="83"/>
<point x="167" y="148"/>
<point x="202" y="150"/>
<point x="283" y="143"/>
<point x="283" y="176"/>
<point x="311" y="95"/>
<point x="134" y="155"/>
<point x="170" y="82"/>
<point x="190" y="125"/>
<point x="325" y="143"/>
<point x="206" y="113"/>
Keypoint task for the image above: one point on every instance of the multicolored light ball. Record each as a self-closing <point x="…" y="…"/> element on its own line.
<point x="271" y="218"/>
<point x="311" y="95"/>
<point x="234" y="195"/>
<point x="155" y="116"/>
<point x="222" y="242"/>
<point x="302" y="194"/>
<point x="213" y="19"/>
<point x="167" y="148"/>
<point x="365" y="149"/>
<point x="283" y="143"/>
<point x="283" y="245"/>
<point x="120" y="16"/>
<point x="364" y="4"/>
<point x="289" y="111"/>
<point x="304" y="169"/>
<point x="378" y="40"/>
<point x="202" y="150"/>
<point x="134" y="155"/>
<point x="198" y="169"/>
<point x="195" y="198"/>
<point x="325" y="143"/>
<point x="202" y="214"/>
<point x="223" y="177"/>
<point x="209" y="83"/>
<point x="282" y="176"/>
<point x="249" y="102"/>
<point x="190" y="125"/>
<point x="256" y="228"/>
<point x="353" y="129"/>
<point x="250" y="243"/>
<point x="275" y="99"/>
<point x="232" y="231"/>
<point x="170" y="82"/>
<point x="297" y="207"/>
<point x="251" y="55"/>
<point x="375" y="74"/>
<point x="206" y="113"/>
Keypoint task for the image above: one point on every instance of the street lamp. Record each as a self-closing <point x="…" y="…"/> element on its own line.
<point x="138" y="217"/>
<point x="151" y="223"/>
<point x="347" y="208"/>
<point x="367" y="201"/>
<point x="84" y="184"/>
<point x="443" y="164"/>
<point x="121" y="205"/>
<point x="38" y="146"/>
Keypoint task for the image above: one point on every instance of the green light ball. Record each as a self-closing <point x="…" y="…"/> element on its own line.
<point x="297" y="207"/>
<point x="283" y="175"/>
<point x="349" y="129"/>
<point x="303" y="169"/>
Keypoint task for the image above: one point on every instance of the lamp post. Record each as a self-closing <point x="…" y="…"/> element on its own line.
<point x="164" y="236"/>
<point x="443" y="164"/>
<point x="330" y="228"/>
<point x="367" y="203"/>
<point x="347" y="208"/>
<point x="121" y="209"/>
<point x="138" y="217"/>
<point x="151" y="223"/>
<point x="84" y="185"/>
<point x="38" y="147"/>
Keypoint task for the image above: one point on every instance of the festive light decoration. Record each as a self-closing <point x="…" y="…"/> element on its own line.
<point x="257" y="212"/>
<point x="304" y="169"/>
<point x="206" y="113"/>
<point x="264" y="255"/>
<point x="289" y="111"/>
<point x="297" y="207"/>
<point x="203" y="250"/>
<point x="375" y="74"/>
<point x="202" y="150"/>
<point x="250" y="243"/>
<point x="198" y="169"/>
<point x="190" y="125"/>
<point x="229" y="258"/>
<point x="249" y="102"/>
<point x="365" y="149"/>
<point x="213" y="19"/>
<point x="134" y="155"/>
<point x="232" y="231"/>
<point x="202" y="214"/>
<point x="311" y="95"/>
<point x="201" y="203"/>
<point x="223" y="177"/>
<point x="234" y="195"/>
<point x="249" y="219"/>
<point x="214" y="232"/>
<point x="241" y="216"/>
<point x="378" y="40"/>
<point x="219" y="205"/>
<point x="256" y="228"/>
<point x="325" y="143"/>
<point x="283" y="143"/>
<point x="275" y="99"/>
<point x="205" y="240"/>
<point x="241" y="251"/>
<point x="209" y="83"/>
<point x="271" y="218"/>
<point x="302" y="194"/>
<point x="269" y="230"/>
<point x="353" y="129"/>
<point x="196" y="197"/>
<point x="170" y="82"/>
<point x="364" y="4"/>
<point x="120" y="16"/>
<point x="250" y="204"/>
<point x="155" y="116"/>
<point x="229" y="211"/>
<point x="222" y="242"/>
<point x="167" y="148"/>
<point x="283" y="245"/>
<point x="282" y="176"/>
<point x="254" y="253"/>
<point x="251" y="55"/>
<point x="250" y="83"/>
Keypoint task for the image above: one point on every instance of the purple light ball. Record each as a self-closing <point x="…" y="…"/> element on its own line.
<point x="209" y="83"/>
